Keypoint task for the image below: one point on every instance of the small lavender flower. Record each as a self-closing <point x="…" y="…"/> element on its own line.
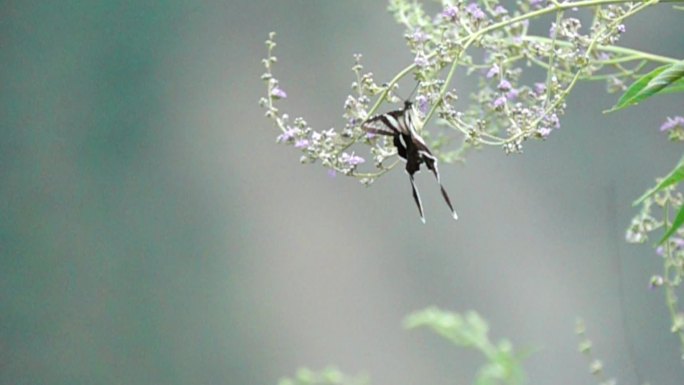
<point x="536" y="3"/>
<point x="419" y="36"/>
<point x="474" y="10"/>
<point x="621" y="28"/>
<point x="301" y="143"/>
<point x="504" y="85"/>
<point x="539" y="88"/>
<point x="332" y="173"/>
<point x="349" y="103"/>
<point x="544" y="131"/>
<point x="553" y="120"/>
<point x="421" y="61"/>
<point x="672" y="123"/>
<point x="351" y="160"/>
<point x="422" y="104"/>
<point x="287" y="135"/>
<point x="500" y="10"/>
<point x="494" y="71"/>
<point x="552" y="30"/>
<point x="450" y="13"/>
<point x="512" y="94"/>
<point x="499" y="102"/>
<point x="635" y="235"/>
<point x="676" y="243"/>
<point x="278" y="93"/>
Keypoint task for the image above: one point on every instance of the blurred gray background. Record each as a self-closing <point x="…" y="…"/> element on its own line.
<point x="152" y="232"/>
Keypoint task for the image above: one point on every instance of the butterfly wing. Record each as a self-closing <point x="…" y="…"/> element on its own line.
<point x="410" y="146"/>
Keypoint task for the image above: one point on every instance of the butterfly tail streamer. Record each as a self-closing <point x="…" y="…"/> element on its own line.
<point x="448" y="202"/>
<point x="416" y="197"/>
<point x="435" y="171"/>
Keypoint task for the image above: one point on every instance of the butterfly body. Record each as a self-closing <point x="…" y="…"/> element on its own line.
<point x="400" y="125"/>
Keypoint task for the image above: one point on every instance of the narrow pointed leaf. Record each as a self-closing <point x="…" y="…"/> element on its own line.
<point x="671" y="75"/>
<point x="675" y="87"/>
<point x="675" y="176"/>
<point x="636" y="87"/>
<point x="676" y="224"/>
<point x="650" y="84"/>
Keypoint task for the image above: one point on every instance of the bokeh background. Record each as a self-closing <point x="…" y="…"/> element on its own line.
<point x="152" y="232"/>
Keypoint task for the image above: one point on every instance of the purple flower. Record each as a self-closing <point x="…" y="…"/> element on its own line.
<point x="552" y="30"/>
<point x="421" y="60"/>
<point x="493" y="71"/>
<point x="536" y="3"/>
<point x="278" y="93"/>
<point x="672" y="123"/>
<point x="332" y="173"/>
<point x="621" y="28"/>
<point x="544" y="131"/>
<point x="677" y="244"/>
<point x="504" y="85"/>
<point x="539" y="88"/>
<point x="474" y="10"/>
<point x="422" y="103"/>
<point x="554" y="120"/>
<point x="287" y="135"/>
<point x="351" y="159"/>
<point x="419" y="36"/>
<point x="301" y="143"/>
<point x="512" y="94"/>
<point x="500" y="10"/>
<point x="450" y="12"/>
<point x="499" y="102"/>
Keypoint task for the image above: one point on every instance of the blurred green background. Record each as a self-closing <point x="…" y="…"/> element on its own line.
<point x="152" y="232"/>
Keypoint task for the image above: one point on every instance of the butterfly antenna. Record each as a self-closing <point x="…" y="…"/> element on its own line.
<point x="414" y="90"/>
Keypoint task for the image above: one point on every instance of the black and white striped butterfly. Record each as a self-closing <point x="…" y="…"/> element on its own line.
<point x="400" y="125"/>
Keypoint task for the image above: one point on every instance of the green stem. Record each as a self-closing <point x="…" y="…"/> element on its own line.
<point x="631" y="54"/>
<point x="554" y="7"/>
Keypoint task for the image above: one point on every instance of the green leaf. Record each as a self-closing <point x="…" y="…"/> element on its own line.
<point x="676" y="224"/>
<point x="675" y="87"/>
<point x="636" y="87"/>
<point x="468" y="331"/>
<point x="675" y="176"/>
<point x="651" y="84"/>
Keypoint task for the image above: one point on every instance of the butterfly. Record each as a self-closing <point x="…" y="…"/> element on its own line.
<point x="400" y="125"/>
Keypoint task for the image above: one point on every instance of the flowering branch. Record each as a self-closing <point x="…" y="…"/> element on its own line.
<point x="505" y="112"/>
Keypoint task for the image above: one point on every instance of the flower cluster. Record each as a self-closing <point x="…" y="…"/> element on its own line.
<point x="655" y="215"/>
<point x="330" y="147"/>
<point x="505" y="111"/>
<point x="513" y="102"/>
<point x="666" y="201"/>
<point x="674" y="128"/>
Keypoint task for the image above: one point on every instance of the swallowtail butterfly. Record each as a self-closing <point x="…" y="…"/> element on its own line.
<point x="400" y="125"/>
